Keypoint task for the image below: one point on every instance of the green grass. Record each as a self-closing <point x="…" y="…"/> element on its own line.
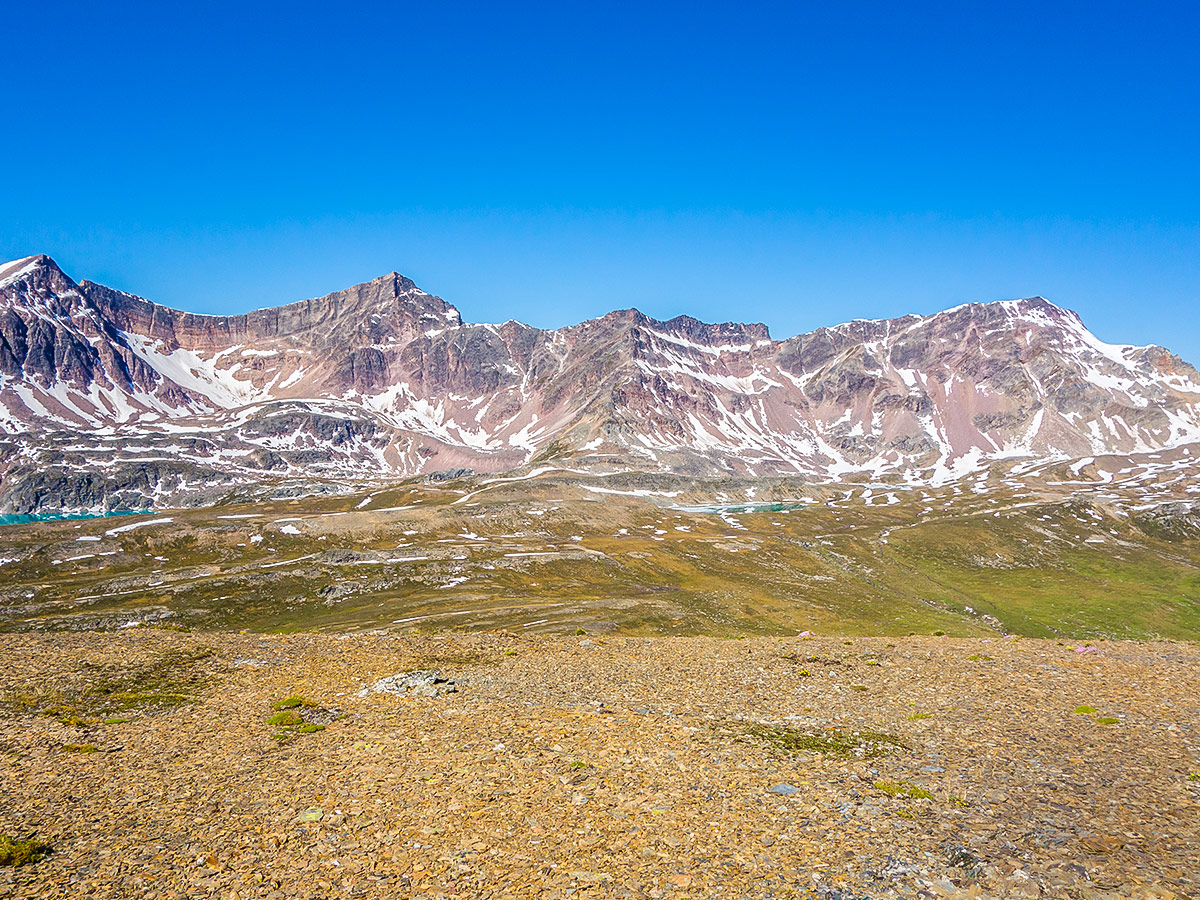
<point x="1043" y="587"/>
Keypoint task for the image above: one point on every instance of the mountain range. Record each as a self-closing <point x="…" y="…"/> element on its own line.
<point x="109" y="401"/>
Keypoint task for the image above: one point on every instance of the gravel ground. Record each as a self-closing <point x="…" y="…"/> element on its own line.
<point x="599" y="767"/>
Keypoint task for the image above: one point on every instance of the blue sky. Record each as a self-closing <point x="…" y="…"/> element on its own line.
<point x="793" y="164"/>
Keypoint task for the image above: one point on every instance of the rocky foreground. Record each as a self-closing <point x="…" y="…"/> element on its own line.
<point x="161" y="764"/>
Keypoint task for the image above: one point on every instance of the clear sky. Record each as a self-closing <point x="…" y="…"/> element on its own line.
<point x="795" y="164"/>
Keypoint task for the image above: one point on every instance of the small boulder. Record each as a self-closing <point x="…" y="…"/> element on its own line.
<point x="419" y="683"/>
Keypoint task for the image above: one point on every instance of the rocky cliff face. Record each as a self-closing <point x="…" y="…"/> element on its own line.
<point x="383" y="380"/>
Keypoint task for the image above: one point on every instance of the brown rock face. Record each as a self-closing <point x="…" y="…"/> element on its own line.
<point x="384" y="380"/>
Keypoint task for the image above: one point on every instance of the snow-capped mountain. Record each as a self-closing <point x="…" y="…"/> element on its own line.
<point x="108" y="400"/>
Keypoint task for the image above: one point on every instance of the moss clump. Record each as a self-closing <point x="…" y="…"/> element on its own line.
<point x="858" y="687"/>
<point x="1085" y="710"/>
<point x="843" y="744"/>
<point x="903" y="789"/>
<point x="916" y="716"/>
<point x="289" y="718"/>
<point x="66" y="717"/>
<point x="22" y="852"/>
<point x="80" y="748"/>
<point x="1107" y="720"/>
<point x="979" y="657"/>
<point x="116" y="721"/>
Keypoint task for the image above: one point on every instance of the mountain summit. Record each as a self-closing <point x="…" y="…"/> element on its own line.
<point x="383" y="380"/>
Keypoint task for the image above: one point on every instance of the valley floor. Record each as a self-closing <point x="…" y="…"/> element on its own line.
<point x="157" y="763"/>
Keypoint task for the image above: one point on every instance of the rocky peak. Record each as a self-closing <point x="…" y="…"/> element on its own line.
<point x="682" y="330"/>
<point x="18" y="268"/>
<point x="37" y="280"/>
<point x="719" y="334"/>
<point x="391" y="305"/>
<point x="49" y="330"/>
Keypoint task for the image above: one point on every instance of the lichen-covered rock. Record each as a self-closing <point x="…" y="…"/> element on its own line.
<point x="419" y="683"/>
